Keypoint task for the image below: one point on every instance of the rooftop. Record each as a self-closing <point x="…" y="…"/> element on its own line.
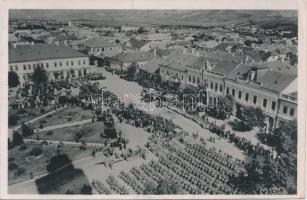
<point x="152" y="66"/>
<point x="267" y="76"/>
<point x="37" y="52"/>
<point x="131" y="57"/>
<point x="98" y="43"/>
<point x="137" y="43"/>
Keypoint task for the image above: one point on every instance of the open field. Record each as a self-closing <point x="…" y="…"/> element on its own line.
<point x="89" y="132"/>
<point x="69" y="114"/>
<point x="29" y="113"/>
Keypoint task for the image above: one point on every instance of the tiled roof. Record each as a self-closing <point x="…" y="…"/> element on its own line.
<point x="267" y="76"/>
<point x="137" y="43"/>
<point x="182" y="62"/>
<point x="224" y="67"/>
<point x="165" y="52"/>
<point x="215" y="57"/>
<point x="152" y="66"/>
<point x="98" y="43"/>
<point x="276" y="81"/>
<point x="36" y="52"/>
<point x="131" y="57"/>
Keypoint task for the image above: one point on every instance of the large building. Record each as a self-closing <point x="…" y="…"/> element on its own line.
<point x="183" y="66"/>
<point x="102" y="48"/>
<point x="60" y="62"/>
<point x="123" y="60"/>
<point x="265" y="86"/>
<point x="270" y="86"/>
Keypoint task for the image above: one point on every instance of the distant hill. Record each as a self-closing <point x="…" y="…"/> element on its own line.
<point x="161" y="17"/>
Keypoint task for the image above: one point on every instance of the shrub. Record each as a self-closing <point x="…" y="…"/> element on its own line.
<point x="17" y="139"/>
<point x="49" y="133"/>
<point x="11" y="159"/>
<point x="21" y="111"/>
<point x="36" y="151"/>
<point x="57" y="162"/>
<point x="20" y="171"/>
<point x="44" y="143"/>
<point x="110" y="132"/>
<point x="26" y="130"/>
<point x="12" y="166"/>
<point x="13" y="118"/>
<point x="23" y="147"/>
<point x="69" y="119"/>
<point x="42" y="110"/>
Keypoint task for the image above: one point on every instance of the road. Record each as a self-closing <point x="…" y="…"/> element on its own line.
<point x="124" y="89"/>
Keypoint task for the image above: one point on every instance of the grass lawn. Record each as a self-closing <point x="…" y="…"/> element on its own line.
<point x="64" y="116"/>
<point x="30" y="113"/>
<point x="37" y="165"/>
<point x="90" y="133"/>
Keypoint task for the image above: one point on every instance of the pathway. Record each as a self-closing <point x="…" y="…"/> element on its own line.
<point x="10" y="130"/>
<point x="64" y="125"/>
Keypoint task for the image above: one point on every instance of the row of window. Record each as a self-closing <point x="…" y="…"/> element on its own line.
<point x="55" y="64"/>
<point x="97" y="50"/>
<point x="192" y="79"/>
<point x="216" y="87"/>
<point x="168" y="73"/>
<point x="285" y="110"/>
<point x="264" y="101"/>
<point x="246" y="98"/>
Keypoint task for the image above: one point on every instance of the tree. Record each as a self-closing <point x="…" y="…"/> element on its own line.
<point x="292" y="57"/>
<point x="12" y="166"/>
<point x="36" y="151"/>
<point x="26" y="130"/>
<point x="225" y="106"/>
<point x="40" y="83"/>
<point x="57" y="162"/>
<point x="248" y="43"/>
<point x="13" y="79"/>
<point x="17" y="138"/>
<point x="252" y="117"/>
<point x="131" y="70"/>
<point x="13" y="118"/>
<point x="110" y="132"/>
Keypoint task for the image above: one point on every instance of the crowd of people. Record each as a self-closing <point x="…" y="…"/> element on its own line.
<point x="115" y="186"/>
<point x="100" y="187"/>
<point x="240" y="142"/>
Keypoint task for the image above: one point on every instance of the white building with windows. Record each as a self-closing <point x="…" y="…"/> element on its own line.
<point x="262" y="85"/>
<point x="60" y="62"/>
<point x="100" y="47"/>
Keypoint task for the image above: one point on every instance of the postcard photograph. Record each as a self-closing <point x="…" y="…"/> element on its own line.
<point x="152" y="102"/>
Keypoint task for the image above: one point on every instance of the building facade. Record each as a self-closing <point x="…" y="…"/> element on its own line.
<point x="60" y="62"/>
